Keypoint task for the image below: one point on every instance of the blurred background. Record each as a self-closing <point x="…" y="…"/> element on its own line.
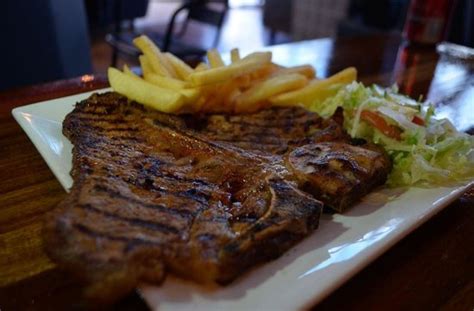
<point x="46" y="40"/>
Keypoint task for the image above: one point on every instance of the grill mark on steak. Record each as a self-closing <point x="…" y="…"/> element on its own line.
<point x="116" y="129"/>
<point x="206" y="196"/>
<point x="198" y="196"/>
<point x="125" y="130"/>
<point x="84" y="229"/>
<point x="194" y="136"/>
<point x="193" y="194"/>
<point x="156" y="170"/>
<point x="129" y="139"/>
<point x="151" y="174"/>
<point x="338" y="172"/>
<point x="252" y="140"/>
<point x="115" y="194"/>
<point x="95" y="112"/>
<point x="84" y="118"/>
<point x="272" y="131"/>
<point x="146" y="183"/>
<point x="133" y="221"/>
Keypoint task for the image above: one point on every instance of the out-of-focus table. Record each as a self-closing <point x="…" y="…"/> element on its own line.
<point x="432" y="268"/>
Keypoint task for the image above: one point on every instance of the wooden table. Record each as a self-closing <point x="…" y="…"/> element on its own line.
<point x="433" y="268"/>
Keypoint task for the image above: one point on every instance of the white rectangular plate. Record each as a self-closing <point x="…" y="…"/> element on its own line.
<point x="304" y="275"/>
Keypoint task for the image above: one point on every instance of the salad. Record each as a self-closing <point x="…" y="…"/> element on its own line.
<point x="423" y="148"/>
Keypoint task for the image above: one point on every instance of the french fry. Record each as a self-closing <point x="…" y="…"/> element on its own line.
<point x="230" y="100"/>
<point x="201" y="101"/>
<point x="190" y="95"/>
<point x="265" y="57"/>
<point x="150" y="76"/>
<point x="201" y="67"/>
<point x="247" y="84"/>
<point x="181" y="68"/>
<point x="168" y="83"/>
<point x="167" y="64"/>
<point x="316" y="90"/>
<point x="128" y="71"/>
<point x="244" y="81"/>
<point x="244" y="66"/>
<point x="215" y="59"/>
<point x="248" y="100"/>
<point x="234" y="55"/>
<point x="137" y="89"/>
<point x="218" y="95"/>
<point x="306" y="70"/>
<point x="264" y="72"/>
<point x="212" y="95"/>
<point x="146" y="66"/>
<point x="154" y="55"/>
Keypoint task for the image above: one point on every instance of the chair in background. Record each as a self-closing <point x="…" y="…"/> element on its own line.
<point x="277" y="17"/>
<point x="203" y="11"/>
<point x="102" y="13"/>
<point x="372" y="17"/>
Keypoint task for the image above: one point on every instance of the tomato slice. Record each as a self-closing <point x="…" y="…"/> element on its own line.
<point x="379" y="123"/>
<point x="418" y="120"/>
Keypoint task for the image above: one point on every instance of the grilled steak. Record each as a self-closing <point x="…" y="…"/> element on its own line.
<point x="156" y="193"/>
<point x="319" y="153"/>
<point x="337" y="173"/>
<point x="270" y="131"/>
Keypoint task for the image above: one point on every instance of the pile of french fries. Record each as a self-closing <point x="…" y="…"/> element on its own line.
<point x="247" y="84"/>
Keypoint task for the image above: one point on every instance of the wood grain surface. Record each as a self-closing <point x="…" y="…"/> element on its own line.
<point x="431" y="269"/>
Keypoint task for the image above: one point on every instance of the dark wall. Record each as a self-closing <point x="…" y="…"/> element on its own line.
<point x="42" y="40"/>
<point x="461" y="30"/>
<point x="381" y="16"/>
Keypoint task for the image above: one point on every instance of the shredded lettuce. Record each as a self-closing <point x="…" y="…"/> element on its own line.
<point x="430" y="153"/>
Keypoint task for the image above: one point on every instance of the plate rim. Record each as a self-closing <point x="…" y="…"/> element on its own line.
<point x="18" y="111"/>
